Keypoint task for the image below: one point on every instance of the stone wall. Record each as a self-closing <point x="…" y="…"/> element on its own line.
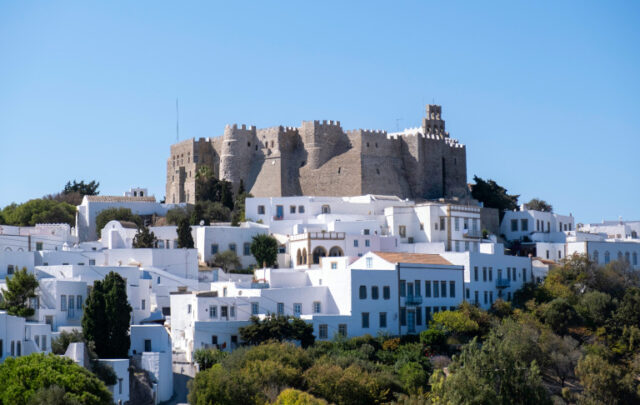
<point x="320" y="158"/>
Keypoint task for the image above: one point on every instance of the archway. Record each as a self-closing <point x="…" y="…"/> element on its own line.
<point x="335" y="251"/>
<point x="318" y="253"/>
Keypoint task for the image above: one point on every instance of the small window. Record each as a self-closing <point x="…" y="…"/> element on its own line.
<point x="316" y="307"/>
<point x="514" y="225"/>
<point x="232" y="311"/>
<point x="292" y="209"/>
<point x="301" y="209"/>
<point x="365" y="320"/>
<point x="214" y="249"/>
<point x="342" y="329"/>
<point x="246" y="249"/>
<point x="367" y="243"/>
<point x="443" y="289"/>
<point x="260" y="209"/>
<point x="297" y="309"/>
<point x="280" y="308"/>
<point x="213" y="311"/>
<point x="92" y="262"/>
<point x="363" y="292"/>
<point x="147" y="345"/>
<point x="326" y="209"/>
<point x="375" y="293"/>
<point x="10" y="269"/>
<point x="355" y="243"/>
<point x="63" y="302"/>
<point x="334" y="265"/>
<point x="189" y="308"/>
<point x="403" y="288"/>
<point x="427" y="289"/>
<point x="442" y="223"/>
<point x="369" y="261"/>
<point x="255" y="308"/>
<point x="365" y="232"/>
<point x="402" y="231"/>
<point x="383" y="319"/>
<point x="232" y="247"/>
<point x="386" y="292"/>
<point x="143" y="305"/>
<point x="452" y="289"/>
<point x="323" y="331"/>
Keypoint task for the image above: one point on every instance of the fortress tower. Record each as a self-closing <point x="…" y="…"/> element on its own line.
<point x="320" y="158"/>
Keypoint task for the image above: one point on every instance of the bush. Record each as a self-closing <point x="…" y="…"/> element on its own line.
<point x="434" y="338"/>
<point x="23" y="376"/>
<point x="292" y="396"/>
<point x="206" y="358"/>
<point x="559" y="315"/>
<point x="118" y="214"/>
<point x="59" y="345"/>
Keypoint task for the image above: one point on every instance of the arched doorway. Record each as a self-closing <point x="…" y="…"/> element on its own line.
<point x="335" y="251"/>
<point x="318" y="253"/>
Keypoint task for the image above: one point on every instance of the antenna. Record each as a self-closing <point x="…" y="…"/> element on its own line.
<point x="177" y="121"/>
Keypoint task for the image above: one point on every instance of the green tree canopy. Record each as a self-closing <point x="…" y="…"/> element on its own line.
<point x="106" y="317"/>
<point x="117" y="214"/>
<point x="20" y="288"/>
<point x="227" y="261"/>
<point x="265" y="249"/>
<point x="144" y="238"/>
<point x="185" y="239"/>
<point x="83" y="188"/>
<point x="277" y="327"/>
<point x="23" y="377"/>
<point x="536" y="204"/>
<point x="39" y="211"/>
<point x="492" y="195"/>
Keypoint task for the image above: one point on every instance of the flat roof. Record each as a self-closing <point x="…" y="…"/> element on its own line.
<point x="417" y="258"/>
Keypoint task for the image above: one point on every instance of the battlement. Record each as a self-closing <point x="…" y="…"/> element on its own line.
<point x="324" y="123"/>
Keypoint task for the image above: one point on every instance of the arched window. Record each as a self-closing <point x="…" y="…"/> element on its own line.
<point x="595" y="256"/>
<point x="619" y="256"/>
<point x="627" y="257"/>
<point x="635" y="259"/>
<point x="304" y="256"/>
<point x="299" y="258"/>
<point x="7" y="249"/>
<point x="607" y="258"/>
<point x="318" y="253"/>
<point x="326" y="209"/>
<point x="634" y="234"/>
<point x="335" y="251"/>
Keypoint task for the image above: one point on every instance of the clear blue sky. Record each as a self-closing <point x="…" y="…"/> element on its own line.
<point x="546" y="95"/>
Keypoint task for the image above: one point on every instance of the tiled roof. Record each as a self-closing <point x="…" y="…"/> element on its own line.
<point x="115" y="198"/>
<point x="418" y="258"/>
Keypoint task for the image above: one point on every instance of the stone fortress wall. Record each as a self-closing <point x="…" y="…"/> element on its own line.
<point x="320" y="158"/>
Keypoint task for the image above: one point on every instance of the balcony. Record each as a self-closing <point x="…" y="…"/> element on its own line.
<point x="472" y="233"/>
<point x="503" y="283"/>
<point x="413" y="300"/>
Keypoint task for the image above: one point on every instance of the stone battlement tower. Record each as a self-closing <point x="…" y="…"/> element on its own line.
<point x="320" y="158"/>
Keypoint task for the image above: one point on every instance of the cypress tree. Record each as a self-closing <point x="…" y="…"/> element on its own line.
<point x="118" y="315"/>
<point x="185" y="240"/>
<point x="94" y="325"/>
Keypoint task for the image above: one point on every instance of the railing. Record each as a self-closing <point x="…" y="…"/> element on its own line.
<point x="503" y="283"/>
<point x="319" y="236"/>
<point x="413" y="300"/>
<point x="472" y="233"/>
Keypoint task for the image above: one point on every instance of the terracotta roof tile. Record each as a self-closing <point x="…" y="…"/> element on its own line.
<point x="418" y="258"/>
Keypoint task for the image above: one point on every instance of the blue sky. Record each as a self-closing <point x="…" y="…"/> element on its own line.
<point x="544" y="94"/>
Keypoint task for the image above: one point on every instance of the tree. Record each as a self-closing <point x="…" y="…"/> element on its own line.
<point x="39" y="211"/>
<point x="117" y="214"/>
<point x="292" y="396"/>
<point x="20" y="288"/>
<point x="604" y="382"/>
<point x="277" y="327"/>
<point x="59" y="345"/>
<point x="561" y="355"/>
<point x="83" y="188"/>
<point x="22" y="377"/>
<point x="107" y="316"/>
<point x="493" y="195"/>
<point x="175" y="215"/>
<point x="185" y="239"/>
<point x="144" y="238"/>
<point x="265" y="249"/>
<point x="227" y="261"/>
<point x="536" y="204"/>
<point x="206" y="358"/>
<point x="559" y="315"/>
<point x="503" y="368"/>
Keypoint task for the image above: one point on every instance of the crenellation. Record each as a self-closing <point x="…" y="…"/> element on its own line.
<point x="320" y="158"/>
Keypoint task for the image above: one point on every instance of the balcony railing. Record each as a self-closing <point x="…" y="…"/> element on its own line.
<point x="413" y="300"/>
<point x="472" y="233"/>
<point x="318" y="236"/>
<point x="503" y="283"/>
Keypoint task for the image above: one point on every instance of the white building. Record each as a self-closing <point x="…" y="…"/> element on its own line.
<point x="606" y="251"/>
<point x="92" y="205"/>
<point x="35" y="238"/>
<point x="536" y="226"/>
<point x="20" y="338"/>
<point x="380" y="292"/>
<point x="614" y="229"/>
<point x="151" y="349"/>
<point x="210" y="240"/>
<point x="490" y="274"/>
<point x="434" y="227"/>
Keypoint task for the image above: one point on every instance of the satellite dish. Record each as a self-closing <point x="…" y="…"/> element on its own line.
<point x="202" y="222"/>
